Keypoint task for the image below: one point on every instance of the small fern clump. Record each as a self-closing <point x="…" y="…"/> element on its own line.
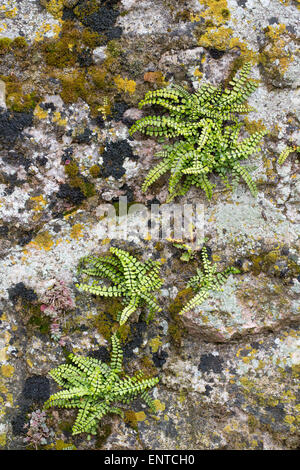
<point x="132" y="280"/>
<point x="206" y="281"/>
<point x="207" y="129"/>
<point x="95" y="388"/>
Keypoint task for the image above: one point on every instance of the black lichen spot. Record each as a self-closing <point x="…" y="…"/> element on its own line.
<point x="153" y="201"/>
<point x="84" y="137"/>
<point x="273" y="20"/>
<point x="26" y="237"/>
<point x="36" y="388"/>
<point x="208" y="389"/>
<point x="68" y="152"/>
<point x="128" y="193"/>
<point x="3" y="231"/>
<point x="73" y="195"/>
<point x="159" y="358"/>
<point x="118" y="110"/>
<point x="68" y="14"/>
<point x="16" y="159"/>
<point x="85" y="58"/>
<point x="41" y="161"/>
<point x="238" y="263"/>
<point x="47" y="106"/>
<point x="137" y="330"/>
<point x="216" y="53"/>
<point x="113" y="158"/>
<point x="13" y="124"/>
<point x="103" y="21"/>
<point x="277" y="412"/>
<point x="21" y="291"/>
<point x="242" y="3"/>
<point x="101" y="354"/>
<point x="210" y="363"/>
<point x="18" y="422"/>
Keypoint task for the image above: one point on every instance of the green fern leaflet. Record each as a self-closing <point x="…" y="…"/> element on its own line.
<point x="285" y="153"/>
<point x="206" y="126"/>
<point x="206" y="281"/>
<point x="95" y="388"/>
<point x="132" y="280"/>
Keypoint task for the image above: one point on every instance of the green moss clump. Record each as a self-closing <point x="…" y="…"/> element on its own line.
<point x="103" y="433"/>
<point x="37" y="320"/>
<point x="95" y="171"/>
<point x="16" y="99"/>
<point x="71" y="169"/>
<point x="85" y="9"/>
<point x="19" y="43"/>
<point x="176" y="329"/>
<point x="5" y="45"/>
<point x="148" y="367"/>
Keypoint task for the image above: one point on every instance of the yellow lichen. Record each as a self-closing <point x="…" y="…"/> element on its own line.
<point x="7" y="370"/>
<point x="42" y="241"/>
<point x="124" y="84"/>
<point x="55" y="7"/>
<point x="155" y="343"/>
<point x="76" y="231"/>
<point x="40" y="113"/>
<point x="216" y="11"/>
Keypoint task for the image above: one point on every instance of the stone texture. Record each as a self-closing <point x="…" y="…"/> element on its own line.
<point x="229" y="369"/>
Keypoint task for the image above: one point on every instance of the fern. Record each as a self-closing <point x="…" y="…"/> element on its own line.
<point x="206" y="281"/>
<point x="206" y="125"/>
<point x="132" y="280"/>
<point x="94" y="388"/>
<point x="285" y="153"/>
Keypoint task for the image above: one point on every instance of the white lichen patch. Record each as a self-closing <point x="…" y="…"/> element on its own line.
<point x="28" y="17"/>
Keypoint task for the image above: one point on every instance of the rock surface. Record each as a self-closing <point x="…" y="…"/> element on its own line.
<point x="71" y="76"/>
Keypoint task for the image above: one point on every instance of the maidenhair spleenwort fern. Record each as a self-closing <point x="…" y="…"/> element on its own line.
<point x="285" y="153"/>
<point x="206" y="281"/>
<point x="95" y="388"/>
<point x="207" y="130"/>
<point x="132" y="279"/>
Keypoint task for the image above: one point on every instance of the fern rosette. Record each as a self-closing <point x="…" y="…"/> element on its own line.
<point x="206" y="126"/>
<point x="206" y="281"/>
<point x="95" y="388"/>
<point x="132" y="280"/>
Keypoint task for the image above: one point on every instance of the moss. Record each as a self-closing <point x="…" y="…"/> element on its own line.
<point x="86" y="8"/>
<point x="74" y="86"/>
<point x="37" y="319"/>
<point x="103" y="434"/>
<point x="176" y="329"/>
<point x="71" y="169"/>
<point x="113" y="48"/>
<point x="131" y="419"/>
<point x="19" y="42"/>
<point x="91" y="39"/>
<point x="95" y="171"/>
<point x="98" y="76"/>
<point x="5" y="45"/>
<point x="148" y="367"/>
<point x="16" y="99"/>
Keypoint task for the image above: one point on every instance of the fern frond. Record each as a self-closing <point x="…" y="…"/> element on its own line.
<point x="285" y="153"/>
<point x="133" y="280"/>
<point x="101" y="387"/>
<point x="205" y="281"/>
<point x="206" y="126"/>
